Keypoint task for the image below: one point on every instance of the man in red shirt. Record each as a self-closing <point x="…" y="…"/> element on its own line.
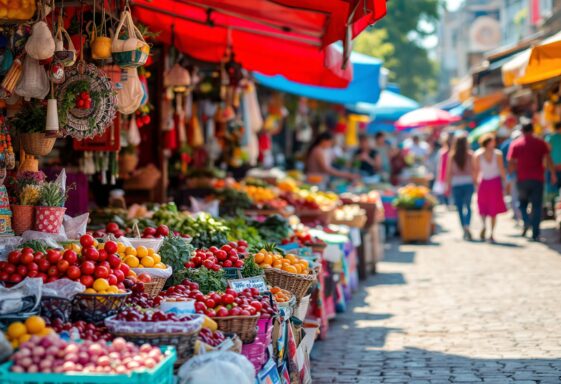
<point x="526" y="156"/>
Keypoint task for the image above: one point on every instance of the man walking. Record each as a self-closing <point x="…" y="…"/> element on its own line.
<point x="526" y="157"/>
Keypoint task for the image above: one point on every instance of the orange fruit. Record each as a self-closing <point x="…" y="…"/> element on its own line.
<point x="275" y="290"/>
<point x="277" y="257"/>
<point x="277" y="264"/>
<point x="90" y="290"/>
<point x="141" y="251"/>
<point x="130" y="251"/>
<point x="131" y="261"/>
<point x="121" y="247"/>
<point x="290" y="269"/>
<point x="160" y="266"/>
<point x="45" y="332"/>
<point x="259" y="257"/>
<point x="298" y="267"/>
<point x="157" y="258"/>
<point x="23" y="338"/>
<point x="304" y="263"/>
<point x="147" y="261"/>
<point x="265" y="265"/>
<point x="112" y="289"/>
<point x="100" y="285"/>
<point x="151" y="251"/>
<point x="268" y="259"/>
<point x="291" y="258"/>
<point x="35" y="324"/>
<point x="16" y="330"/>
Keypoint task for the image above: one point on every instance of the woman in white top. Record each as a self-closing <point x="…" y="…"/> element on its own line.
<point x="490" y="177"/>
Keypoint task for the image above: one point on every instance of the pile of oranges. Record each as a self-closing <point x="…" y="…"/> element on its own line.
<point x="289" y="263"/>
<point x="18" y="332"/>
<point x="259" y="195"/>
<point x="102" y="286"/>
<point x="280" y="295"/>
<point x="140" y="257"/>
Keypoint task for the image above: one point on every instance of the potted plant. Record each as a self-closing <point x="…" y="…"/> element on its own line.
<point x="30" y="125"/>
<point x="50" y="212"/>
<point x="25" y="188"/>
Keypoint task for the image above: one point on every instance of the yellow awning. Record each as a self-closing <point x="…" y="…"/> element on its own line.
<point x="484" y="103"/>
<point x="544" y="64"/>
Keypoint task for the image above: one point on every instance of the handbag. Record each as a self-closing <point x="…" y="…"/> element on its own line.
<point x="132" y="52"/>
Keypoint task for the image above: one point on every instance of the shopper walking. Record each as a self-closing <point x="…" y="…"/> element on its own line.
<point x="490" y="176"/>
<point x="440" y="187"/>
<point x="554" y="141"/>
<point x="526" y="157"/>
<point x="460" y="179"/>
<point x="511" y="178"/>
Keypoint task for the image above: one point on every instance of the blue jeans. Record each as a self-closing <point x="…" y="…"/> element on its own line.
<point x="531" y="192"/>
<point x="462" y="198"/>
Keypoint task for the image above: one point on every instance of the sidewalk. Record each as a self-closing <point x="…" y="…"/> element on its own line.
<point x="452" y="312"/>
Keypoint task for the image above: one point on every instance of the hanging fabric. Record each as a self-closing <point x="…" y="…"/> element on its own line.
<point x="133" y="135"/>
<point x="34" y="82"/>
<point x="130" y="94"/>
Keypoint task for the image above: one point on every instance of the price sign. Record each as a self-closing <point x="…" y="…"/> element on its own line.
<point x="258" y="282"/>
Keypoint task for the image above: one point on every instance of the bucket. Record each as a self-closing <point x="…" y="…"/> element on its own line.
<point x="49" y="219"/>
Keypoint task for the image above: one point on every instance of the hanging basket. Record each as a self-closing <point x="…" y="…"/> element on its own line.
<point x="37" y="144"/>
<point x="22" y="218"/>
<point x="49" y="219"/>
<point x="127" y="163"/>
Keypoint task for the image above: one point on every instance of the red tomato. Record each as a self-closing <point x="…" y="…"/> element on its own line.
<point x="87" y="268"/>
<point x="216" y="297"/>
<point x="53" y="271"/>
<point x="53" y="255"/>
<point x="110" y="247"/>
<point x="162" y="230"/>
<point x="252" y="310"/>
<point x="102" y="255"/>
<point x="112" y="228"/>
<point x="233" y="258"/>
<point x="87" y="281"/>
<point x="38" y="256"/>
<point x="254" y="292"/>
<point x="234" y="311"/>
<point x="222" y="312"/>
<point x="32" y="274"/>
<point x="221" y="255"/>
<point x="27" y="250"/>
<point x="210" y="312"/>
<point x="213" y="249"/>
<point x="32" y="267"/>
<point x="227" y="299"/>
<point x="87" y="241"/>
<point x="14" y="257"/>
<point x="62" y="265"/>
<point x="208" y="264"/>
<point x="245" y="312"/>
<point x="26" y="258"/>
<point x="257" y="305"/>
<point x="42" y="276"/>
<point x="73" y="272"/>
<point x="227" y="264"/>
<point x="70" y="256"/>
<point x="216" y="267"/>
<point x="101" y="272"/>
<point x="44" y="265"/>
<point x="125" y="268"/>
<point x="200" y="307"/>
<point x="114" y="261"/>
<point x="196" y="260"/>
<point x="226" y="248"/>
<point x="230" y="291"/>
<point x="112" y="279"/>
<point x="21" y="270"/>
<point x="210" y="303"/>
<point x="199" y="297"/>
<point x="238" y="264"/>
<point x="4" y="276"/>
<point x="15" y="278"/>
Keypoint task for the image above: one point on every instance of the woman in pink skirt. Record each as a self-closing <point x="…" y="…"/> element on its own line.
<point x="490" y="178"/>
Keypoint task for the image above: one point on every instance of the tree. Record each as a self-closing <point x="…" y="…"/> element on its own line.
<point x="397" y="39"/>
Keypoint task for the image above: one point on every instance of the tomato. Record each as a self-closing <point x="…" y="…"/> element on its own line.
<point x="200" y="307"/>
<point x="21" y="270"/>
<point x="87" y="241"/>
<point x="53" y="271"/>
<point x="27" y="250"/>
<point x="70" y="256"/>
<point x="101" y="272"/>
<point x="230" y="291"/>
<point x="227" y="299"/>
<point x="233" y="258"/>
<point x="15" y="278"/>
<point x="257" y="305"/>
<point x="210" y="312"/>
<point x="102" y="255"/>
<point x="254" y="292"/>
<point x="73" y="272"/>
<point x="87" y="268"/>
<point x="32" y="273"/>
<point x="162" y="230"/>
<point x="242" y="243"/>
<point x="234" y="311"/>
<point x="38" y="256"/>
<point x="232" y="253"/>
<point x="110" y="247"/>
<point x="252" y="310"/>
<point x="238" y="264"/>
<point x="213" y="249"/>
<point x="226" y="248"/>
<point x="114" y="261"/>
<point x="112" y="279"/>
<point x="44" y="265"/>
<point x="210" y="303"/>
<point x="245" y="312"/>
<point x="14" y="257"/>
<point x="4" y="276"/>
<point x="227" y="264"/>
<point x="63" y="265"/>
<point x="53" y="255"/>
<point x="222" y="312"/>
<point x="112" y="228"/>
<point x="104" y="264"/>
<point x="90" y="253"/>
<point x="26" y="258"/>
<point x="196" y="260"/>
<point x="32" y="267"/>
<point x="50" y="279"/>
<point x="120" y="275"/>
<point x="87" y="281"/>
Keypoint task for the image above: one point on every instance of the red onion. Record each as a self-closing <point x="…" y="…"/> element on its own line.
<point x="71" y="357"/>
<point x="69" y="366"/>
<point x="149" y="363"/>
<point x="118" y="344"/>
<point x="33" y="368"/>
<point x="103" y="361"/>
<point x="25" y="362"/>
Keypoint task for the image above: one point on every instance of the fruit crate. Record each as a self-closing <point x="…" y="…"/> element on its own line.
<point x="161" y="374"/>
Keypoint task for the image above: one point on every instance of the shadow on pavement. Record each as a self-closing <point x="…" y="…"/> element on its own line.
<point x="387" y="278"/>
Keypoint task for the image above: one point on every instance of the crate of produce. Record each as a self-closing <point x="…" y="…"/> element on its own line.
<point x="244" y="326"/>
<point x="415" y="225"/>
<point x="161" y="374"/>
<point x="297" y="284"/>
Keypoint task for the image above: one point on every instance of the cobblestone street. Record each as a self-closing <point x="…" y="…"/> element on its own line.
<point x="452" y="312"/>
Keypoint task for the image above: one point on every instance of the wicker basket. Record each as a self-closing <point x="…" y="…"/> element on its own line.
<point x="127" y="163"/>
<point x="22" y="218"/>
<point x="297" y="284"/>
<point x="415" y="225"/>
<point x="37" y="144"/>
<point x="53" y="307"/>
<point x="154" y="287"/>
<point x="95" y="308"/>
<point x="184" y="343"/>
<point x="244" y="326"/>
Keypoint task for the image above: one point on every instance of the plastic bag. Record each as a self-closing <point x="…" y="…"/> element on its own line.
<point x="6" y="349"/>
<point x="130" y="93"/>
<point x="12" y="299"/>
<point x="74" y="227"/>
<point x="34" y="82"/>
<point x="133" y="135"/>
<point x="155" y="272"/>
<point x="64" y="288"/>
<point x="51" y="240"/>
<point x="198" y="206"/>
<point x="217" y="367"/>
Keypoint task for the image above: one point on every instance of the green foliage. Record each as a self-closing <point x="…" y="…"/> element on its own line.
<point x="274" y="229"/>
<point x="52" y="195"/>
<point x="241" y="230"/>
<point x="397" y="40"/>
<point x="31" y="119"/>
<point x="250" y="268"/>
<point x="233" y="202"/>
<point x="208" y="280"/>
<point x="175" y="252"/>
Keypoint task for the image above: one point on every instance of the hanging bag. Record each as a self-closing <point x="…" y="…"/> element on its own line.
<point x="34" y="82"/>
<point x="130" y="94"/>
<point x="132" y="52"/>
<point x="100" y="44"/>
<point x="65" y="55"/>
<point x="40" y="45"/>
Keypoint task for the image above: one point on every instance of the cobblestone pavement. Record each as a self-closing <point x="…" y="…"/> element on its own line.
<point x="452" y="312"/>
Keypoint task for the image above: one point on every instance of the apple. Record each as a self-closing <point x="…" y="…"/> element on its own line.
<point x="144" y="277"/>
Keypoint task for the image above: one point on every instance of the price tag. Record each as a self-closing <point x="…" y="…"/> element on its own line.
<point x="258" y="282"/>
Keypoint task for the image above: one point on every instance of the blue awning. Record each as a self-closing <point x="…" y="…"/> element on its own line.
<point x="391" y="106"/>
<point x="365" y="86"/>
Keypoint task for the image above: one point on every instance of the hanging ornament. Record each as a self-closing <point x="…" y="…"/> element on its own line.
<point x="177" y="78"/>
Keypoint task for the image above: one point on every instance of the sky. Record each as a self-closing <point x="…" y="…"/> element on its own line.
<point x="453" y="4"/>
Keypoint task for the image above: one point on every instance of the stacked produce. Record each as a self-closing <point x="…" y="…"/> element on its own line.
<point x="414" y="197"/>
<point x="289" y="263"/>
<point x="19" y="332"/>
<point x="214" y="258"/>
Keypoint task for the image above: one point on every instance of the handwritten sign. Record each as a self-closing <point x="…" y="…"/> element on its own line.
<point x="258" y="282"/>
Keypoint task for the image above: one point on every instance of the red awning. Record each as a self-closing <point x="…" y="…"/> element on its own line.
<point x="288" y="37"/>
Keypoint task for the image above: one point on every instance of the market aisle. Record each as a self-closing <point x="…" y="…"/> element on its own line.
<point x="452" y="312"/>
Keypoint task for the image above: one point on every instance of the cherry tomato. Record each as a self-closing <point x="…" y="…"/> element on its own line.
<point x="87" y="241"/>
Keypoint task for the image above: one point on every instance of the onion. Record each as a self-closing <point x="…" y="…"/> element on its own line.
<point x="71" y="348"/>
<point x="149" y="363"/>
<point x="46" y="342"/>
<point x="145" y="348"/>
<point x="25" y="362"/>
<point x="46" y="370"/>
<point x="52" y="350"/>
<point x="114" y="355"/>
<point x="103" y="361"/>
<point x="78" y="367"/>
<point x="120" y="370"/>
<point x="58" y="369"/>
<point x="118" y="344"/>
<point x="38" y="351"/>
<point x="33" y="368"/>
<point x="71" y="357"/>
<point x="23" y="352"/>
<point x="96" y="349"/>
<point x="69" y="366"/>
<point x="155" y="353"/>
<point x="46" y="363"/>
<point x="132" y="365"/>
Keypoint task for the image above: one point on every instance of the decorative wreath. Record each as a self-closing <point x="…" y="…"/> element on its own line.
<point x="86" y="102"/>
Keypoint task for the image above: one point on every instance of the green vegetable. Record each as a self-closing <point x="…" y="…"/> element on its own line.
<point x="274" y="229"/>
<point x="36" y="245"/>
<point x="233" y="202"/>
<point x="250" y="268"/>
<point x="208" y="280"/>
<point x="241" y="230"/>
<point x="175" y="252"/>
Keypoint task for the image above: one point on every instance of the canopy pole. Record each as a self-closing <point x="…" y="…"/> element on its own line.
<point x="303" y="40"/>
<point x="299" y="30"/>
